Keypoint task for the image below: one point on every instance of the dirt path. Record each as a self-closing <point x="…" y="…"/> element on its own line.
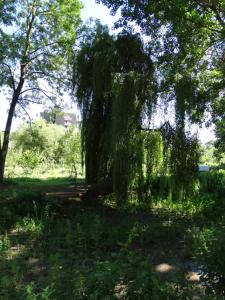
<point x="67" y="192"/>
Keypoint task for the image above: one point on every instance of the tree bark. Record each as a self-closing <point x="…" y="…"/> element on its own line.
<point x="16" y="93"/>
<point x="6" y="135"/>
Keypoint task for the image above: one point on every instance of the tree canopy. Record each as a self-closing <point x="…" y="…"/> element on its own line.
<point x="188" y="41"/>
<point x="37" y="39"/>
<point x="185" y="46"/>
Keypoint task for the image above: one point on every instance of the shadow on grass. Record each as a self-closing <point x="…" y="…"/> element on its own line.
<point x="66" y="250"/>
<point x="54" y="247"/>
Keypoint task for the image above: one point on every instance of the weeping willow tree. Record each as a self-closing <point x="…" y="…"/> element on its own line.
<point x="116" y="89"/>
<point x="172" y="152"/>
<point x="154" y="163"/>
<point x="185" y="152"/>
<point x="114" y="81"/>
<point x="134" y="88"/>
<point x="181" y="148"/>
<point x="93" y="80"/>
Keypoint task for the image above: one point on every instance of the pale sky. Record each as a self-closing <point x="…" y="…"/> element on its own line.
<point x="96" y="11"/>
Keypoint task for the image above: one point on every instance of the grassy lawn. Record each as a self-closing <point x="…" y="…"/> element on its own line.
<point x="59" y="248"/>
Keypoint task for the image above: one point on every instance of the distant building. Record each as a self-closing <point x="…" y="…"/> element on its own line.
<point x="61" y="118"/>
<point x="203" y="168"/>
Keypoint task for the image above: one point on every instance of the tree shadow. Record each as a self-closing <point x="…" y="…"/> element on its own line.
<point x="82" y="252"/>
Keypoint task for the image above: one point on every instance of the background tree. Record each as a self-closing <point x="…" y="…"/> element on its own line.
<point x="31" y="147"/>
<point x="36" y="38"/>
<point x="68" y="152"/>
<point x="46" y="146"/>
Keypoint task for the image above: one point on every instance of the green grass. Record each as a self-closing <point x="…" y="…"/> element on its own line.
<point x="46" y="181"/>
<point x="63" y="249"/>
<point x="43" y="172"/>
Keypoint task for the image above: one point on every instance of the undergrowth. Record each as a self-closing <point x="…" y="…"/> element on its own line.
<point x="50" y="249"/>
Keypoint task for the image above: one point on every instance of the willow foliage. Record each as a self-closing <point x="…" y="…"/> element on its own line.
<point x="115" y="80"/>
<point x="93" y="78"/>
<point x="117" y="90"/>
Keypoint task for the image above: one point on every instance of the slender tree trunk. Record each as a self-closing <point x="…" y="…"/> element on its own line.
<point x="2" y="167"/>
<point x="6" y="135"/>
<point x="16" y="93"/>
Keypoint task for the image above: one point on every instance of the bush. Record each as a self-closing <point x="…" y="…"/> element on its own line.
<point x="209" y="249"/>
<point x="213" y="183"/>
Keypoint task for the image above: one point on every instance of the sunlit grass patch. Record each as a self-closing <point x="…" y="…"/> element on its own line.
<point x="29" y="225"/>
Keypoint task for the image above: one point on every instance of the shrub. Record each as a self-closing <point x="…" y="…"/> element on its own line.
<point x="209" y="249"/>
<point x="213" y="183"/>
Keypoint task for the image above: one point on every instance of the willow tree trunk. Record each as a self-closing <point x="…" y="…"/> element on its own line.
<point x="5" y="144"/>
